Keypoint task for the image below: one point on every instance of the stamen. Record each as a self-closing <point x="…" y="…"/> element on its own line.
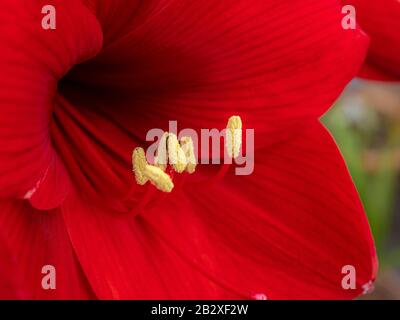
<point x="234" y="136"/>
<point x="161" y="159"/>
<point x="180" y="155"/>
<point x="159" y="178"/>
<point x="188" y="148"/>
<point x="139" y="163"/>
<point x="176" y="155"/>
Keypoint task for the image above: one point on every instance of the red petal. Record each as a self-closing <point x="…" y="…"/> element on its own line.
<point x="285" y="232"/>
<point x="134" y="262"/>
<point x="277" y="65"/>
<point x="293" y="224"/>
<point x="10" y="283"/>
<point x="36" y="240"/>
<point x="32" y="61"/>
<point x="381" y="21"/>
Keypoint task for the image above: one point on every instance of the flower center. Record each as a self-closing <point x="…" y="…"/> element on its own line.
<point x="180" y="156"/>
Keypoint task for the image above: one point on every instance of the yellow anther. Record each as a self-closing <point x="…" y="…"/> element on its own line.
<point x="176" y="155"/>
<point x="180" y="155"/>
<point x="161" y="159"/>
<point x="234" y="136"/>
<point x="159" y="178"/>
<point x="188" y="149"/>
<point x="139" y="164"/>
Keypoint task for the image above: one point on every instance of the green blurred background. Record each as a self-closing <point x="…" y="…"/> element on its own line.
<point x="366" y="125"/>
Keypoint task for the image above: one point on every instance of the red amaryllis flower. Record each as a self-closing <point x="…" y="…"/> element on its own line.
<point x="381" y="21"/>
<point x="75" y="102"/>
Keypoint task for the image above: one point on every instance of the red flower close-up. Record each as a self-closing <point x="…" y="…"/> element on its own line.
<point x="78" y="99"/>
